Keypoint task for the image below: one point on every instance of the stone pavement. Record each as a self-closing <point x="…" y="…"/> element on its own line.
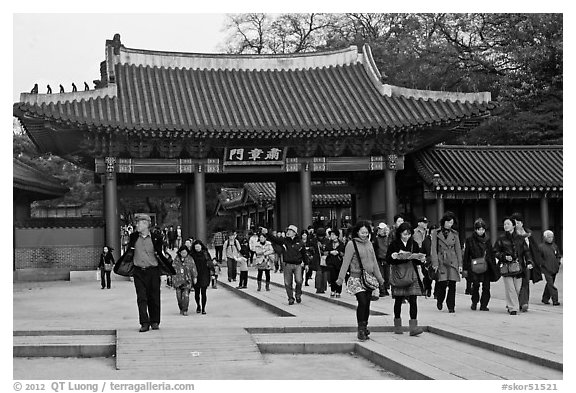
<point x="530" y="344"/>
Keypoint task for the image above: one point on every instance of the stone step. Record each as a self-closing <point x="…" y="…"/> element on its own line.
<point x="61" y="345"/>
<point x="427" y="356"/>
<point x="184" y="347"/>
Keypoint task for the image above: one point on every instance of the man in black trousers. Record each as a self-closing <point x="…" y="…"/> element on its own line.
<point x="149" y="264"/>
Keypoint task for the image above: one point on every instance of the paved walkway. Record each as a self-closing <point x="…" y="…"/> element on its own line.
<point x="82" y="305"/>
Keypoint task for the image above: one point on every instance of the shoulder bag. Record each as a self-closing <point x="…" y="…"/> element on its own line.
<point x="402" y="274"/>
<point x="369" y="281"/>
<point x="479" y="265"/>
<point x="509" y="269"/>
<point x="125" y="265"/>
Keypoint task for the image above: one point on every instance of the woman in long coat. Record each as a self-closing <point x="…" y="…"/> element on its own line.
<point x="334" y="253"/>
<point x="205" y="269"/>
<point x="446" y="255"/>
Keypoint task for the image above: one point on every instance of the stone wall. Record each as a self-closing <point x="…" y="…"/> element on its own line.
<point x="51" y="253"/>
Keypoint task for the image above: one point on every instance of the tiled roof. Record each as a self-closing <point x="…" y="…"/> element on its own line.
<point x="44" y="186"/>
<point x="155" y="93"/>
<point x="492" y="167"/>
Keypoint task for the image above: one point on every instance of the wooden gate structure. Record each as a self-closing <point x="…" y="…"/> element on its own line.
<point x="188" y="118"/>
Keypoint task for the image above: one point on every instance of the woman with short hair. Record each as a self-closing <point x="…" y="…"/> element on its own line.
<point x="478" y="246"/>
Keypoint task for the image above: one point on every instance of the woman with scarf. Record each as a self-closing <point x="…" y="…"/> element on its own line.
<point x="184" y="278"/>
<point x="478" y="246"/>
<point x="264" y="259"/>
<point x="359" y="255"/>
<point x="446" y="255"/>
<point x="508" y="248"/>
<point x="403" y="243"/>
<point x="205" y="269"/>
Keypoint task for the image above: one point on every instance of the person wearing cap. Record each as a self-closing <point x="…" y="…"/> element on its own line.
<point x="380" y="242"/>
<point x="294" y="262"/>
<point x="149" y="264"/>
<point x="551" y="260"/>
<point x="533" y="273"/>
<point x="420" y="231"/>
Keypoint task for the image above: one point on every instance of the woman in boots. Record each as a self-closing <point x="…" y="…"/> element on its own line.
<point x="446" y="255"/>
<point x="263" y="258"/>
<point x="361" y="238"/>
<point x="398" y="250"/>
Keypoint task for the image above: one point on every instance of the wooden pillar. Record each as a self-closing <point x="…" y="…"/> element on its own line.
<point x="190" y="229"/>
<point x="200" y="203"/>
<point x="545" y="214"/>
<point x="111" y="207"/>
<point x="391" y="204"/>
<point x="306" y="195"/>
<point x="492" y="212"/>
<point x="439" y="207"/>
<point x="377" y="198"/>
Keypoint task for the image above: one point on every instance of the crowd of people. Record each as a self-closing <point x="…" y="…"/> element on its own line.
<point x="398" y="260"/>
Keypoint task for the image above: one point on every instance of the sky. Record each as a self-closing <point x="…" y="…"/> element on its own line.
<point x="58" y="48"/>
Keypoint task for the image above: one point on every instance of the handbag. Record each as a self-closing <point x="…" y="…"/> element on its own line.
<point x="368" y="280"/>
<point x="401" y="275"/>
<point x="108" y="267"/>
<point x="323" y="260"/>
<point x="479" y="265"/>
<point x="509" y="269"/>
<point x="125" y="265"/>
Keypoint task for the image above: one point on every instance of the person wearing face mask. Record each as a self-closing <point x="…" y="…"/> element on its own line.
<point x="362" y="259"/>
<point x="263" y="258"/>
<point x="205" y="269"/>
<point x="508" y="249"/>
<point x="405" y="243"/>
<point x="478" y="246"/>
<point x="446" y="255"/>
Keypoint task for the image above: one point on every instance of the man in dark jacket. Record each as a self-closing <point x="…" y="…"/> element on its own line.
<point x="149" y="264"/>
<point x="294" y="262"/>
<point x="534" y="274"/>
<point x="550" y="266"/>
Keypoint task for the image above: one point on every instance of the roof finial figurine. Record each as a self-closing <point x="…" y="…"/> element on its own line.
<point x="34" y="89"/>
<point x="74" y="87"/>
<point x="86" y="87"/>
<point x="61" y="89"/>
<point x="49" y="91"/>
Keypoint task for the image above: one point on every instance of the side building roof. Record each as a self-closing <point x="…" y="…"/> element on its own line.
<point x="40" y="185"/>
<point x="491" y="168"/>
